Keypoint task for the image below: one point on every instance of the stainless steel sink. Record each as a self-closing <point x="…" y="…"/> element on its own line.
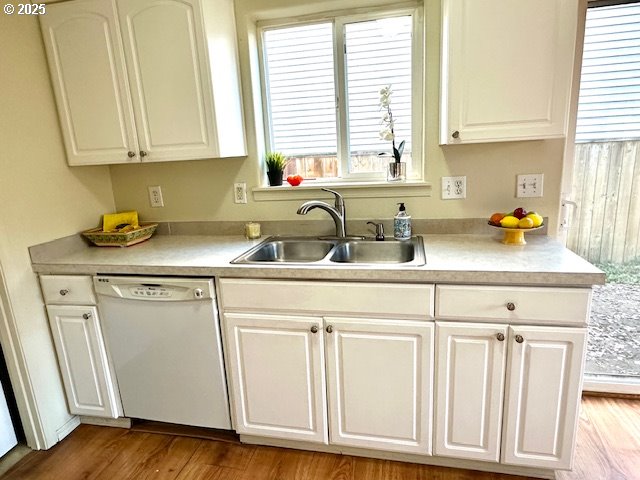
<point x="364" y="251"/>
<point x="311" y="250"/>
<point x="289" y="250"/>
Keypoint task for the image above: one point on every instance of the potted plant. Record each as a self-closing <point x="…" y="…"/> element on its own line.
<point x="397" y="168"/>
<point x="275" y="162"/>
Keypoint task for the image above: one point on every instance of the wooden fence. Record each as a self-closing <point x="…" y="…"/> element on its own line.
<point x="606" y="187"/>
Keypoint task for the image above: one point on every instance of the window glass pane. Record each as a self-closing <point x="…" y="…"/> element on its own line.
<point x="378" y="53"/>
<point x="300" y="87"/>
<point x="609" y="106"/>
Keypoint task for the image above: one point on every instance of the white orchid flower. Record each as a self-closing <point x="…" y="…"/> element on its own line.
<point x="386" y="134"/>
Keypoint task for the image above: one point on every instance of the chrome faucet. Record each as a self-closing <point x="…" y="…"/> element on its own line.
<point x="338" y="212"/>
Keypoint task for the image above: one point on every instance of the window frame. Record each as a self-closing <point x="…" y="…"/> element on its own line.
<point x="338" y="20"/>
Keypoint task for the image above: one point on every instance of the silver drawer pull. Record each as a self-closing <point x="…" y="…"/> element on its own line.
<point x="314" y="329"/>
<point x="329" y="328"/>
<point x="511" y="306"/>
<point x="500" y="337"/>
<point x="64" y="291"/>
<point x="519" y="338"/>
<point x="86" y="316"/>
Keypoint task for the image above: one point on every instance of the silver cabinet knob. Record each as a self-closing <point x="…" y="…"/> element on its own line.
<point x="64" y="291"/>
<point x="131" y="154"/>
<point x="500" y="337"/>
<point x="329" y="328"/>
<point x="143" y="153"/>
<point x="519" y="338"/>
<point x="511" y="306"/>
<point x="198" y="293"/>
<point x="456" y="134"/>
<point x="86" y="316"/>
<point x="314" y="329"/>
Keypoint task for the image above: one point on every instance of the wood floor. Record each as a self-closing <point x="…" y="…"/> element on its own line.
<point x="608" y="448"/>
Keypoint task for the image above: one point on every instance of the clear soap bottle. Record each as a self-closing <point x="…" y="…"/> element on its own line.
<point x="402" y="224"/>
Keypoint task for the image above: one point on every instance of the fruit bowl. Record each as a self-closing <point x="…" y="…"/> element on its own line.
<point x="515" y="236"/>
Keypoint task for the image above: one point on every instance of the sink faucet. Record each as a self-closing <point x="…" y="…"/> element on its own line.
<point x="338" y="212"/>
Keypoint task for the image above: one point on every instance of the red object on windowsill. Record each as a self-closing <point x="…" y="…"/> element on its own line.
<point x="294" y="180"/>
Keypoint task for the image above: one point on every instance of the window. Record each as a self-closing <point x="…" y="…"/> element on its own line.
<point x="609" y="105"/>
<point x="321" y="83"/>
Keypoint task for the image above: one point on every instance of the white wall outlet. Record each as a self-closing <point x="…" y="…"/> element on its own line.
<point x="454" y="187"/>
<point x="240" y="192"/>
<point x="155" y="196"/>
<point x="529" y="185"/>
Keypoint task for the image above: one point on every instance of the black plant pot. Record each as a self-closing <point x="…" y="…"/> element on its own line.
<point x="275" y="178"/>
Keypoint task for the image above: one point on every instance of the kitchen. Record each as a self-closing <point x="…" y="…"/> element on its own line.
<point x="43" y="199"/>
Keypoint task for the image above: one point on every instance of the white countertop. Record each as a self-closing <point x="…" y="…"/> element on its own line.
<point x="472" y="259"/>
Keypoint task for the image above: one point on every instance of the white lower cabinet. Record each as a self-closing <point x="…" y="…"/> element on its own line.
<point x="471" y="360"/>
<point x="378" y="376"/>
<point x="83" y="360"/>
<point x="542" y="404"/>
<point x="276" y="365"/>
<point x="541" y="397"/>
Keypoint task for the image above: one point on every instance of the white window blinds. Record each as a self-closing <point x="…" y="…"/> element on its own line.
<point x="609" y="105"/>
<point x="378" y="53"/>
<point x="300" y="89"/>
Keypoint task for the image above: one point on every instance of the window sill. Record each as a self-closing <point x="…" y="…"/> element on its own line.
<point x="310" y="191"/>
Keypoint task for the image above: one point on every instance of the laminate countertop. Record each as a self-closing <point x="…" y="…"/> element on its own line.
<point x="467" y="259"/>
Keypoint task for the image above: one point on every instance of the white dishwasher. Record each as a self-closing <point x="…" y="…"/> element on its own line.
<point x="163" y="335"/>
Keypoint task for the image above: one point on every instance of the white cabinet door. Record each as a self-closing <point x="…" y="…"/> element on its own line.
<point x="470" y="361"/>
<point x="543" y="396"/>
<point x="379" y="376"/>
<point x="165" y="47"/>
<point x="83" y="360"/>
<point x="276" y="367"/>
<point x="506" y="69"/>
<point x="87" y="68"/>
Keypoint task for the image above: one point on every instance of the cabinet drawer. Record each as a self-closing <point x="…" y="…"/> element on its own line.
<point x="327" y="298"/>
<point x="67" y="289"/>
<point x="513" y="304"/>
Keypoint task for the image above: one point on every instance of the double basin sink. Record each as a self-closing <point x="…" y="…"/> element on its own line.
<point x="317" y="251"/>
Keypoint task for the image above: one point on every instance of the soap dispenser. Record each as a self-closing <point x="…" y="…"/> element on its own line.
<point x="402" y="224"/>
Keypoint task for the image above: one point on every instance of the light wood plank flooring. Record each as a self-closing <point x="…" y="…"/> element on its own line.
<point x="608" y="448"/>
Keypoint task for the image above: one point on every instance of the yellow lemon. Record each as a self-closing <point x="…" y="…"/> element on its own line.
<point x="537" y="219"/>
<point x="525" y="222"/>
<point x="509" y="222"/>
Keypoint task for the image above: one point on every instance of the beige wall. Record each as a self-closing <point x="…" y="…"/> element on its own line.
<point x="202" y="190"/>
<point x="41" y="199"/>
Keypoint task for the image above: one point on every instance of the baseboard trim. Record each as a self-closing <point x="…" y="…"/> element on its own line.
<point x="122" y="422"/>
<point x="402" y="457"/>
<point x="68" y="427"/>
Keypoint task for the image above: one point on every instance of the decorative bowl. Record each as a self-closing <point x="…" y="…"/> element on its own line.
<point x="120" y="239"/>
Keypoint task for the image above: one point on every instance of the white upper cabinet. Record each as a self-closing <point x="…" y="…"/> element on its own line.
<point x="88" y="75"/>
<point x="506" y="69"/>
<point x="170" y="65"/>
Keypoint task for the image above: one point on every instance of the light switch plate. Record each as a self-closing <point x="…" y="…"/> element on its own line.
<point x="529" y="185"/>
<point x="454" y="188"/>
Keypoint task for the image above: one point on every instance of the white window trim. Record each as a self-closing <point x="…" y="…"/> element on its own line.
<point x="339" y="18"/>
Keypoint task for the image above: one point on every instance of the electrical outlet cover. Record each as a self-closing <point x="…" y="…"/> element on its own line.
<point x="454" y="187"/>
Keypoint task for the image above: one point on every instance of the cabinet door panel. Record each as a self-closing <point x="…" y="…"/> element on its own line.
<point x="171" y="89"/>
<point x="470" y="385"/>
<point x="277" y="375"/>
<point x="379" y="375"/>
<point x="543" y="396"/>
<point x="506" y="69"/>
<point x="88" y="75"/>
<point x="83" y="360"/>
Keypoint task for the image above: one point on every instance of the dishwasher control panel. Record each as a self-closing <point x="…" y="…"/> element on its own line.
<point x="163" y="289"/>
<point x="144" y="291"/>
